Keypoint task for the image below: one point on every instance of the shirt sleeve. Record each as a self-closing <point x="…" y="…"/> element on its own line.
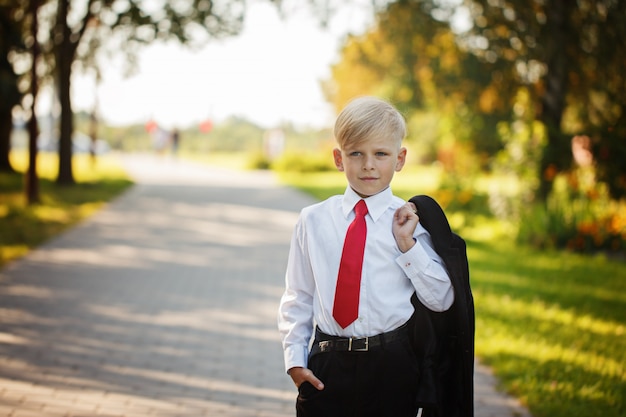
<point x="428" y="274"/>
<point x="295" y="313"/>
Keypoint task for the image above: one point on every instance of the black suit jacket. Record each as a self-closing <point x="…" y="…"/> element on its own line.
<point x="444" y="342"/>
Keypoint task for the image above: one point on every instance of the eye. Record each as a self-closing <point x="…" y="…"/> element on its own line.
<point x="381" y="153"/>
<point x="355" y="153"/>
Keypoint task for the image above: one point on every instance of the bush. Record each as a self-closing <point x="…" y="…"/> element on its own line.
<point x="579" y="218"/>
<point x="303" y="162"/>
<point x="258" y="160"/>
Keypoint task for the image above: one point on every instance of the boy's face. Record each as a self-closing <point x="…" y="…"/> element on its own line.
<point x="370" y="164"/>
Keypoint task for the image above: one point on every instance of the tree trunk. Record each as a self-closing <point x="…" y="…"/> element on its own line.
<point x="556" y="154"/>
<point x="64" y="58"/>
<point x="9" y="91"/>
<point x="6" y="125"/>
<point x="32" y="180"/>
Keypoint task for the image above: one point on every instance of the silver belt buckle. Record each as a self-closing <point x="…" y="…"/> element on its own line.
<point x="324" y="346"/>
<point x="363" y="349"/>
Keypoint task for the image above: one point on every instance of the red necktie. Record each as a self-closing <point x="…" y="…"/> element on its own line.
<point x="346" y="307"/>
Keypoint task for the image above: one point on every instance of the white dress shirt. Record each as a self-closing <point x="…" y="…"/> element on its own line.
<point x="389" y="277"/>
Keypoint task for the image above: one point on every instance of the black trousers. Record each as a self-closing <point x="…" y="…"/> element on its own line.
<point x="381" y="382"/>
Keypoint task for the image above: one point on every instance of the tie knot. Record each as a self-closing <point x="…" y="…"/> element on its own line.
<point x="361" y="208"/>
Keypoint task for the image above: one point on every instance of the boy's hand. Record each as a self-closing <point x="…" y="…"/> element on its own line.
<point x="300" y="375"/>
<point x="405" y="221"/>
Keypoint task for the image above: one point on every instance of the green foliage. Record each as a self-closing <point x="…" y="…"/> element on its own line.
<point x="414" y="60"/>
<point x="232" y="135"/>
<point x="258" y="160"/>
<point x="125" y="138"/>
<point x="578" y="214"/>
<point x="303" y="162"/>
<point x="577" y="217"/>
<point x="423" y="134"/>
<point x="410" y="181"/>
<point x="609" y="149"/>
<point x="523" y="139"/>
<point x="307" y="139"/>
<point x="566" y="53"/>
<point x="518" y="66"/>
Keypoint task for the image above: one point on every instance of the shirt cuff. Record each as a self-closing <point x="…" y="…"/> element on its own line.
<point x="429" y="278"/>
<point x="296" y="355"/>
<point x="414" y="260"/>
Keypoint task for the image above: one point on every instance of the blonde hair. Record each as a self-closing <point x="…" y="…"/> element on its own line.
<point x="367" y="117"/>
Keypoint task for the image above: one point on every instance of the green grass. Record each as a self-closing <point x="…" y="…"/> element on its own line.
<point x="551" y="324"/>
<point x="25" y="227"/>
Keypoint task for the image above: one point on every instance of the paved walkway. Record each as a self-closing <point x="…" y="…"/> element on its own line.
<point x="163" y="304"/>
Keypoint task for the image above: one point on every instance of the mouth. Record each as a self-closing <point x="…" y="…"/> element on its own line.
<point x="369" y="179"/>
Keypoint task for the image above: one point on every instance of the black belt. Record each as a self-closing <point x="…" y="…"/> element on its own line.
<point x="327" y="343"/>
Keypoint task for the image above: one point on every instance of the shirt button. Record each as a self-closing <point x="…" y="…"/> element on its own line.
<point x="407" y="264"/>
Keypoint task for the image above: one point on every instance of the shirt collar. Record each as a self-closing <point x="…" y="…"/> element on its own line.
<point x="377" y="204"/>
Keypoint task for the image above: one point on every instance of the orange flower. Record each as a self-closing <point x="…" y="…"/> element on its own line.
<point x="593" y="194"/>
<point x="550" y="172"/>
<point x="587" y="228"/>
<point x="617" y="225"/>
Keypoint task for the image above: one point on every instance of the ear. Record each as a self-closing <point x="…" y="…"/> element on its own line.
<point x="338" y="159"/>
<point x="401" y="159"/>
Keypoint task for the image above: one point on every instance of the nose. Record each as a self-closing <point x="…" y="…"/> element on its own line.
<point x="368" y="163"/>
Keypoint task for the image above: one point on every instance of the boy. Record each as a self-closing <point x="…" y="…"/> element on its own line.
<point x="361" y="362"/>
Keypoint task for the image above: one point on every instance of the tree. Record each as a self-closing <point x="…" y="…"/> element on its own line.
<point x="571" y="56"/>
<point x="415" y="61"/>
<point x="79" y="32"/>
<point x="32" y="180"/>
<point x="566" y="56"/>
<point x="10" y="40"/>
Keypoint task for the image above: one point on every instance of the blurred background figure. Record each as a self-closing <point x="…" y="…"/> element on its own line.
<point x="175" y="138"/>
